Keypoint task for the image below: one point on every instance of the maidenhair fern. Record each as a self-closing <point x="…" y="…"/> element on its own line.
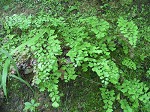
<point x="63" y="49"/>
<point x="106" y="70"/>
<point x="136" y="91"/>
<point x="129" y="63"/>
<point x="108" y="99"/>
<point x="17" y="21"/>
<point x="47" y="66"/>
<point x="125" y="106"/>
<point x="129" y="30"/>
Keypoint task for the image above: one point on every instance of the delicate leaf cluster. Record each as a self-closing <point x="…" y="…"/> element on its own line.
<point x="106" y="70"/>
<point x="31" y="106"/>
<point x="129" y="63"/>
<point x="125" y="106"/>
<point x="96" y="26"/>
<point x="17" y="21"/>
<point x="129" y="30"/>
<point x="42" y="42"/>
<point x="108" y="99"/>
<point x="63" y="49"/>
<point x="136" y="91"/>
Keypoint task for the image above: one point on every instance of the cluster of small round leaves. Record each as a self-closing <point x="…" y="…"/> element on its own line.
<point x="80" y="52"/>
<point x="69" y="72"/>
<point x="144" y="33"/>
<point x="17" y="21"/>
<point x="106" y="70"/>
<point x="74" y="35"/>
<point x="40" y="38"/>
<point x="129" y="63"/>
<point x="46" y="50"/>
<point x="136" y="91"/>
<point x="125" y="106"/>
<point x="90" y="46"/>
<point x="129" y="30"/>
<point x="45" y="20"/>
<point x="108" y="99"/>
<point x="96" y="26"/>
<point x="86" y="52"/>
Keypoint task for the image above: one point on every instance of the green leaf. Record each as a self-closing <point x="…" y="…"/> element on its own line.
<point x="11" y="59"/>
<point x="124" y="90"/>
<point x="109" y="110"/>
<point x="32" y="101"/>
<point x="27" y="104"/>
<point x="30" y="42"/>
<point x="55" y="104"/>
<point x="4" y="75"/>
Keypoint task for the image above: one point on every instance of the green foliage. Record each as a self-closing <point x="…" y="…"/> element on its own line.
<point x="129" y="30"/>
<point x="88" y="51"/>
<point x="65" y="48"/>
<point x="42" y="42"/>
<point x="98" y="27"/>
<point x="136" y="91"/>
<point x="5" y="72"/>
<point x="148" y="73"/>
<point x="126" y="2"/>
<point x="4" y="76"/>
<point x="125" y="106"/>
<point x="17" y="21"/>
<point x="108" y="99"/>
<point x="31" y="106"/>
<point x="48" y="72"/>
<point x="69" y="72"/>
<point x="129" y="63"/>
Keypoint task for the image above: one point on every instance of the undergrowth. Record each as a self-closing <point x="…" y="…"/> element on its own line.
<point x="113" y="47"/>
